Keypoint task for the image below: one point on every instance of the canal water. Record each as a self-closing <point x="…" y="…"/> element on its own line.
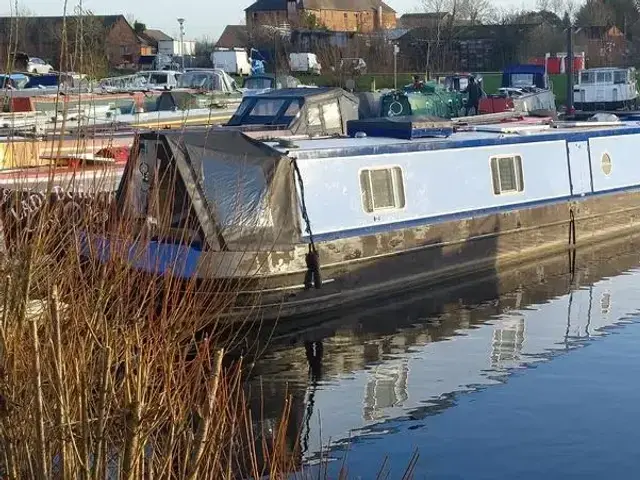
<point x="532" y="375"/>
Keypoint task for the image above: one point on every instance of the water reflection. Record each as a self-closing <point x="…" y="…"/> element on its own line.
<point x="408" y="360"/>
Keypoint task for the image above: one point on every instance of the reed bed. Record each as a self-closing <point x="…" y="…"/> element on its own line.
<point x="110" y="373"/>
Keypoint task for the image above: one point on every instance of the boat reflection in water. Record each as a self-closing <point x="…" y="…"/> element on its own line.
<point x="412" y="358"/>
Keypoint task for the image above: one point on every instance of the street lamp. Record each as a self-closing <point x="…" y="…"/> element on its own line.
<point x="181" y="22"/>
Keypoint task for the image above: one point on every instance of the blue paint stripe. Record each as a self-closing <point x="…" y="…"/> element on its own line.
<point x="452" y="143"/>
<point x="439" y="219"/>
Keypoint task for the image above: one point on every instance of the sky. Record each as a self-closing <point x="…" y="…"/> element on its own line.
<point x="202" y="18"/>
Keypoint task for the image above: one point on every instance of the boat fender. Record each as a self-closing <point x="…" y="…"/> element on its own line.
<point x="312" y="259"/>
<point x="312" y="276"/>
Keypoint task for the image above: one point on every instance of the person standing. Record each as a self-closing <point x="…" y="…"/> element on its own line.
<point x="473" y="97"/>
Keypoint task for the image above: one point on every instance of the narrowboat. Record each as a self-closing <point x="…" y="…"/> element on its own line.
<point x="606" y="89"/>
<point x="524" y="88"/>
<point x="306" y="226"/>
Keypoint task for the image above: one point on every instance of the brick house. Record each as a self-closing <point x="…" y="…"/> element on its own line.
<point x="234" y="36"/>
<point x="108" y="40"/>
<point x="335" y="15"/>
<point x="604" y="45"/>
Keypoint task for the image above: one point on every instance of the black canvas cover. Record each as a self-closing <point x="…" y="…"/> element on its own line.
<point x="176" y="100"/>
<point x="240" y="192"/>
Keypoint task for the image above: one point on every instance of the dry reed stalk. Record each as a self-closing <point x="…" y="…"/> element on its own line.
<point x="208" y="408"/>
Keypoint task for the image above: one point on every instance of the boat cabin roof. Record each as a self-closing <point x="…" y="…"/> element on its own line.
<point x="607" y="69"/>
<point x="479" y="136"/>
<point x="304" y="111"/>
<point x="301" y="92"/>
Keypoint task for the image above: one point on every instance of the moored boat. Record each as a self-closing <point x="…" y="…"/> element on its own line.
<point x="310" y="225"/>
<point x="524" y="88"/>
<point x="606" y="88"/>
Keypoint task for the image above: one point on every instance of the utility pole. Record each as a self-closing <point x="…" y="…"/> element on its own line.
<point x="181" y="22"/>
<point x="396" y="51"/>
<point x="569" y="69"/>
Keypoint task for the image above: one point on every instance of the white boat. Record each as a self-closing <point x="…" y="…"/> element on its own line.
<point x="606" y="89"/>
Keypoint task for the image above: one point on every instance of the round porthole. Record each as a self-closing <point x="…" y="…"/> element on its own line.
<point x="605" y="164"/>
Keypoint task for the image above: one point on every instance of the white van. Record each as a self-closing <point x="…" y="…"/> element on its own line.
<point x="304" y="63"/>
<point x="234" y="62"/>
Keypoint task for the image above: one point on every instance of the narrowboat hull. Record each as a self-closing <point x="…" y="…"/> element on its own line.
<point x="437" y="211"/>
<point x="377" y="266"/>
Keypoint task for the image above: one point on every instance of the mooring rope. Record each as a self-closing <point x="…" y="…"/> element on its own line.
<point x="312" y="259"/>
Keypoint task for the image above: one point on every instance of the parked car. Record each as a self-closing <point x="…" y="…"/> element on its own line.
<point x="37" y="65"/>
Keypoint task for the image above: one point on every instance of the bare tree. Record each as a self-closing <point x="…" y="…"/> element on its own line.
<point x="441" y="10"/>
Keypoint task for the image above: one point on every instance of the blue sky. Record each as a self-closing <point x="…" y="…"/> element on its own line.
<point x="202" y="18"/>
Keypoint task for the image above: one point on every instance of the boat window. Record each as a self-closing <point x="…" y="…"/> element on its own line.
<point x="293" y="109"/>
<point x="603" y="77"/>
<point x="242" y="109"/>
<point x="267" y="107"/>
<point x="507" y="175"/>
<point x="157" y="78"/>
<point x="313" y="116"/>
<point x="258" y="83"/>
<point x="331" y="116"/>
<point x="522" y="80"/>
<point x="203" y="80"/>
<point x="620" y="76"/>
<point x="587" y="77"/>
<point x="382" y="189"/>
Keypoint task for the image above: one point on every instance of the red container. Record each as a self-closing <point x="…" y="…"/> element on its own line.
<point x="554" y="65"/>
<point x="495" y="105"/>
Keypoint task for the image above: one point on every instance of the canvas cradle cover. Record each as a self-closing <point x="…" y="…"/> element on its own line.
<point x="240" y="191"/>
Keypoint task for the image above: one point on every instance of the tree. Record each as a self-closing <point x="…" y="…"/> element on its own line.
<point x="309" y="21"/>
<point x="139" y="27"/>
<point x="621" y="13"/>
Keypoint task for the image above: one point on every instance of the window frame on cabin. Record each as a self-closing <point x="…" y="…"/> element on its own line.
<point x="367" y="196"/>
<point x="518" y="174"/>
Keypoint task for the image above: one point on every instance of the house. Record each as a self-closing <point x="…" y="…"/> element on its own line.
<point x="147" y="46"/>
<point x="108" y="37"/>
<point x="168" y="45"/>
<point x="604" y="45"/>
<point x="470" y="48"/>
<point x="335" y="15"/>
<point x="234" y="36"/>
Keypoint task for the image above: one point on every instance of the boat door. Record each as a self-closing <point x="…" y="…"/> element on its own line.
<point x="579" y="167"/>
